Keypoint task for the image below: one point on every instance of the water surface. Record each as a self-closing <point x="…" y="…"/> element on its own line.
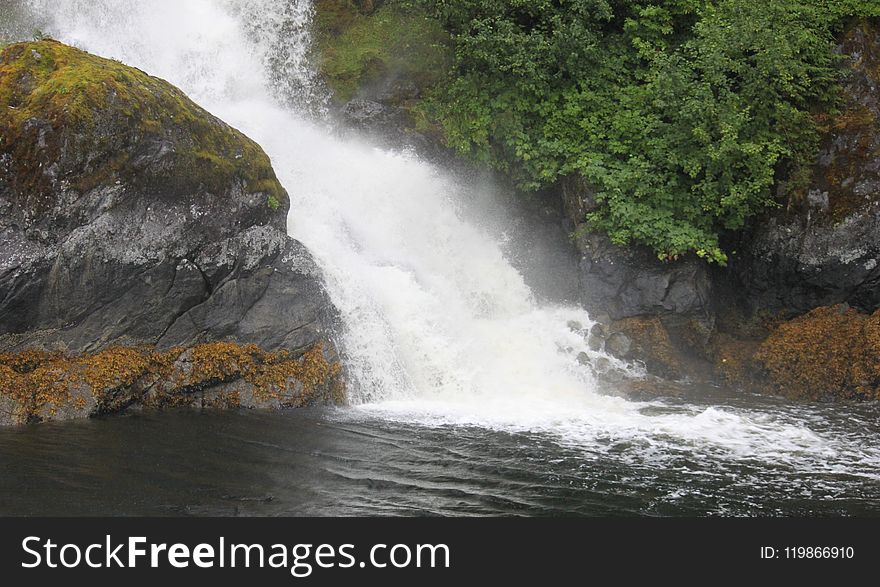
<point x="352" y="462"/>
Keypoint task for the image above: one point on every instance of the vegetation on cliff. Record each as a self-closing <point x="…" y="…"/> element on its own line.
<point x="684" y="114"/>
<point x="687" y="117"/>
<point x="364" y="47"/>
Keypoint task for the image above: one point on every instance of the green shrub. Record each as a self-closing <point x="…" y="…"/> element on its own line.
<point x="687" y="116"/>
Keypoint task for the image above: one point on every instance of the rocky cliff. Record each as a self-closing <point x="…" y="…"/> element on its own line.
<point x="130" y="218"/>
<point x="817" y="250"/>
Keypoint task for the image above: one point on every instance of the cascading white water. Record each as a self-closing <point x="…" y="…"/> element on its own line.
<point x="438" y="326"/>
<point x="284" y="41"/>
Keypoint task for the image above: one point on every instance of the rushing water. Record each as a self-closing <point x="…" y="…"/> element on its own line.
<point x="469" y="395"/>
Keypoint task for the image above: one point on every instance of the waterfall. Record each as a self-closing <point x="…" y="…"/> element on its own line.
<point x="438" y="325"/>
<point x="281" y="31"/>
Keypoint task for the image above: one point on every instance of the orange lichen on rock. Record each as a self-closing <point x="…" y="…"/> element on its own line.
<point x="272" y="375"/>
<point x="26" y="361"/>
<point x="652" y="345"/>
<point x="831" y="352"/>
<point x="217" y="374"/>
<point x="114" y="368"/>
<point x="735" y="362"/>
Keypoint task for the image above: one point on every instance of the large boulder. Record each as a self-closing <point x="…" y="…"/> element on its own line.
<point x="129" y="216"/>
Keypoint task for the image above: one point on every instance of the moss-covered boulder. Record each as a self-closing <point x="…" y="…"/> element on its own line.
<point x="73" y="117"/>
<point x="131" y="217"/>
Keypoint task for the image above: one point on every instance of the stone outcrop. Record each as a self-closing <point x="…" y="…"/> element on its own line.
<point x="824" y="248"/>
<point x="130" y="217"/>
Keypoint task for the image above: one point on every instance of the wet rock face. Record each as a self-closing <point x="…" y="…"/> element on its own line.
<point x="627" y="286"/>
<point x="624" y="282"/>
<point x="825" y="249"/>
<point x="386" y="124"/>
<point x="130" y="216"/>
<point x="792" y="267"/>
<point x="649" y="311"/>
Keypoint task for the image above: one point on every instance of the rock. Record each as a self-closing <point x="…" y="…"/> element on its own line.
<point x="578" y="199"/>
<point x="622" y="283"/>
<point x="598" y="334"/>
<point x="619" y="345"/>
<point x="818" y="199"/>
<point x="646" y="339"/>
<point x="630" y="281"/>
<point x="845" y="366"/>
<point x="825" y="250"/>
<point x="385" y="124"/>
<point x="368" y="115"/>
<point x="603" y="365"/>
<point x="49" y="386"/>
<point x="133" y="217"/>
<point x="584" y="359"/>
<point x="600" y="330"/>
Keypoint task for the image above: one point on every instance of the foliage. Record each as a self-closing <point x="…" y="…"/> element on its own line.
<point x="683" y="114"/>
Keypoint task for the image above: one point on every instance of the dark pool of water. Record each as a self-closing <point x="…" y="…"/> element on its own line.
<point x="344" y="462"/>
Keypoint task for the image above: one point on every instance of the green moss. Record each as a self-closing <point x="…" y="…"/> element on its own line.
<point x="273" y="202"/>
<point x="393" y="42"/>
<point x="96" y="116"/>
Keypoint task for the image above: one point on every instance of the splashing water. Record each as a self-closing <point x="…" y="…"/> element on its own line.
<point x="439" y="328"/>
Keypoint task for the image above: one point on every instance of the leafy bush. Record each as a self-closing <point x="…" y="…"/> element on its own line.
<point x="683" y="114"/>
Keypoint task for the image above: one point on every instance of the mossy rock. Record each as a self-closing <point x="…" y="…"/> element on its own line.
<point x="365" y="47"/>
<point x="69" y="119"/>
<point x="131" y="219"/>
